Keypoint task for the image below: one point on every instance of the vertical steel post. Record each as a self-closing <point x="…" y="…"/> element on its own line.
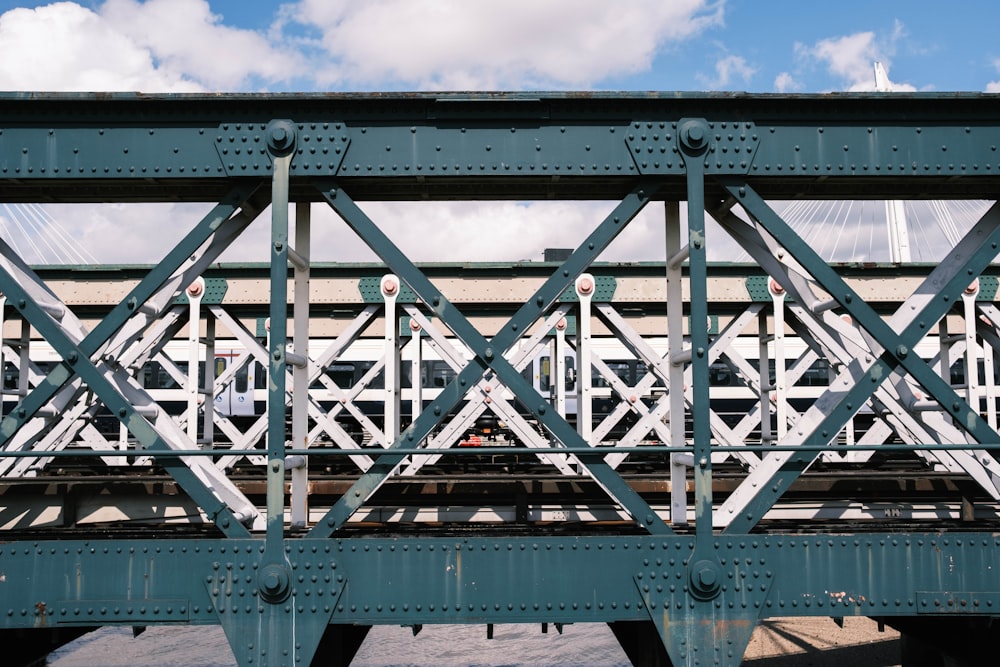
<point x="558" y="369"/>
<point x="585" y="286"/>
<point x="194" y="293"/>
<point x="207" y="391"/>
<point x="416" y="364"/>
<point x="300" y="371"/>
<point x="702" y="622"/>
<point x="780" y="382"/>
<point x="274" y="577"/>
<point x="676" y="255"/>
<point x="703" y="571"/>
<point x="390" y="286"/>
<point x="764" y="377"/>
<point x="972" y="356"/>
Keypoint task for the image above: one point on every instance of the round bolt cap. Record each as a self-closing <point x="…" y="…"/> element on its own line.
<point x="274" y="582"/>
<point x="705" y="579"/>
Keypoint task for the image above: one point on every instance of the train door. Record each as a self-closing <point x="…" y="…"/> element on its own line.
<point x="544" y="379"/>
<point x="236" y="398"/>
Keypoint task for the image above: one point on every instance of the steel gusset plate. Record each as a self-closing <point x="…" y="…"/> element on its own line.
<point x="892" y="341"/>
<point x="276" y="615"/>
<point x="489" y="355"/>
<point x="655" y="147"/>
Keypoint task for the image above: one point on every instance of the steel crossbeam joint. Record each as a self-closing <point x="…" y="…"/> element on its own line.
<point x="939" y="292"/>
<point x="488" y="354"/>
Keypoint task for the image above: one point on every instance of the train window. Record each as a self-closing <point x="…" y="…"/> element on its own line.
<point x="361" y="368"/>
<point x="154" y="376"/>
<point x="260" y="377"/>
<point x="622" y="369"/>
<point x="10" y="375"/>
<point x="958" y="372"/>
<point x="439" y="373"/>
<point x="544" y="374"/>
<point x="659" y="382"/>
<point x="342" y="373"/>
<point x="242" y="380"/>
<point x="719" y="374"/>
<point x="817" y="375"/>
<point x="220" y="366"/>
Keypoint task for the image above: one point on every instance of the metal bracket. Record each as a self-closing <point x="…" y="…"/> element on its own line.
<point x="687" y="619"/>
<point x="215" y="292"/>
<point x="319" y="148"/>
<point x="656" y="147"/>
<point x="257" y="622"/>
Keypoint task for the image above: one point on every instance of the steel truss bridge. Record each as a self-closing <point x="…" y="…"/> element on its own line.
<point x="724" y="481"/>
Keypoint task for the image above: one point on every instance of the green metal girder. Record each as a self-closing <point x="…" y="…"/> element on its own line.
<point x="215" y="292"/>
<point x="371" y="291"/>
<point x="81" y="147"/>
<point x="604" y="291"/>
<point x="406" y="580"/>
<point x="757" y="289"/>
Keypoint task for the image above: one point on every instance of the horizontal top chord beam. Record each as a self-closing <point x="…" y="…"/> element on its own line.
<point x="134" y="147"/>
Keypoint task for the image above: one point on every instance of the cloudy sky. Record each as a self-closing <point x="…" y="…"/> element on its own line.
<point x="787" y="46"/>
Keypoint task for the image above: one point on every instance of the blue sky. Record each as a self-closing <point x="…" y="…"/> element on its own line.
<point x="309" y="45"/>
<point x="765" y="46"/>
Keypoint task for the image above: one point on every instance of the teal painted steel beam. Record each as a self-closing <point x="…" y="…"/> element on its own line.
<point x="85" y="147"/>
<point x="454" y="580"/>
<point x="704" y="573"/>
<point x="274" y="577"/>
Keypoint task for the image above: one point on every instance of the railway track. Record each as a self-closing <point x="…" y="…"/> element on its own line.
<point x="899" y="497"/>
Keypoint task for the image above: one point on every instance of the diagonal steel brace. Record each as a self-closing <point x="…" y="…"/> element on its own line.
<point x="488" y="355"/>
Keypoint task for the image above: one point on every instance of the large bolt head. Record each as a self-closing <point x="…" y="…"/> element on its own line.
<point x="274" y="583"/>
<point x="705" y="579"/>
<point x="280" y="137"/>
<point x="693" y="135"/>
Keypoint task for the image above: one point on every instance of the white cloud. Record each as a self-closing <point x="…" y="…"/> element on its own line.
<point x="180" y="46"/>
<point x="455" y="44"/>
<point x="726" y="70"/>
<point x="185" y="36"/>
<point x="486" y="231"/>
<point x="501" y="231"/>
<point x="851" y="58"/>
<point x="65" y="47"/>
<point x="994" y="86"/>
<point x="163" y="46"/>
<point x="785" y="82"/>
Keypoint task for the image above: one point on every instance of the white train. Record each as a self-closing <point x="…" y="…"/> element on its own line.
<point x="239" y="391"/>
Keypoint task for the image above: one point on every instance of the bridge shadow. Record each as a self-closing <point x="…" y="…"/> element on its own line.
<point x="820" y="642"/>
